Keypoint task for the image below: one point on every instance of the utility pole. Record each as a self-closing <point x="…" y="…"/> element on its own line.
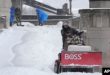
<point x="70" y="3"/>
<point x="70" y="12"/>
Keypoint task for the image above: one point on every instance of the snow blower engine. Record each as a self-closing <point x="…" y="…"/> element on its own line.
<point x="76" y="56"/>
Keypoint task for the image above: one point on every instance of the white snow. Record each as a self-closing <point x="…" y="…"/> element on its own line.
<point x="34" y="71"/>
<point x="79" y="48"/>
<point x="31" y="50"/>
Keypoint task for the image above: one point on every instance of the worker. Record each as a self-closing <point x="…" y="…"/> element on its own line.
<point x="42" y="16"/>
<point x="18" y="16"/>
<point x="12" y="15"/>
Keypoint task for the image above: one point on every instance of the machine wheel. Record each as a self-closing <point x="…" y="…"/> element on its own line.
<point x="57" y="68"/>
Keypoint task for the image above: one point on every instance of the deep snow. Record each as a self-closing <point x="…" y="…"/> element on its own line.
<point x="31" y="50"/>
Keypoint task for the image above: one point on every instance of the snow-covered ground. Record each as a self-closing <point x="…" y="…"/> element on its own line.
<point x="31" y="50"/>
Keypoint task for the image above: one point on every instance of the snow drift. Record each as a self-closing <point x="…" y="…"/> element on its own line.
<point x="38" y="47"/>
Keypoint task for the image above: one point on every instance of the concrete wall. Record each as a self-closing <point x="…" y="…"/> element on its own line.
<point x="5" y="10"/>
<point x="99" y="39"/>
<point x="97" y="25"/>
<point x="76" y="22"/>
<point x="100" y="4"/>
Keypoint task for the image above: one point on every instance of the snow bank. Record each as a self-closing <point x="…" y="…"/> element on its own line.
<point x="8" y="38"/>
<point x="23" y="71"/>
<point x="39" y="47"/>
<point x="34" y="71"/>
<point x="27" y="24"/>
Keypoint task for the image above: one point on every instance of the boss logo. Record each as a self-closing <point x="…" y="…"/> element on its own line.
<point x="73" y="56"/>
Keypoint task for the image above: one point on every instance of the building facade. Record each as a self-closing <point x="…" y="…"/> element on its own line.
<point x="99" y="3"/>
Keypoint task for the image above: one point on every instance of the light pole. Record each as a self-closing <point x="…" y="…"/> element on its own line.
<point x="70" y="3"/>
